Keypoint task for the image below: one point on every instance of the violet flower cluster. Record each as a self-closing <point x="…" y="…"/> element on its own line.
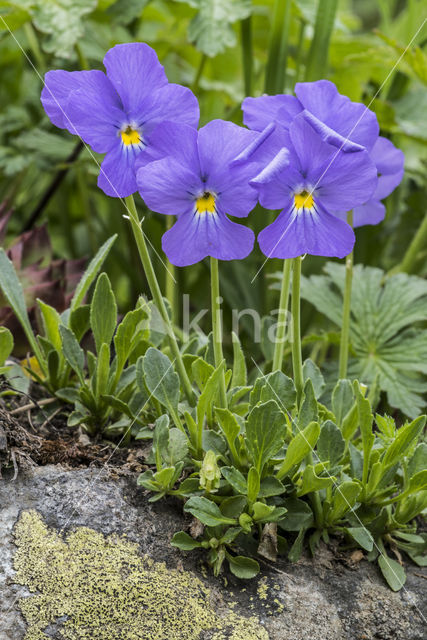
<point x="314" y="156"/>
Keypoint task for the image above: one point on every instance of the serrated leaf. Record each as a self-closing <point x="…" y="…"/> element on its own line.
<point x="62" y="21"/>
<point x="211" y="29"/>
<point x="330" y="445"/>
<point x="159" y="376"/>
<point x="265" y="433"/>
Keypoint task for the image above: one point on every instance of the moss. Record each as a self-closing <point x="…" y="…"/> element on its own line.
<point x="96" y="587"/>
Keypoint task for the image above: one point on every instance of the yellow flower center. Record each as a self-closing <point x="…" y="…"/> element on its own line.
<point x="303" y="200"/>
<point x="206" y="203"/>
<point x="130" y="136"/>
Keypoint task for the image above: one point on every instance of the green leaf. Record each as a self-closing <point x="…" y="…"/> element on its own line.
<point x="406" y="437"/>
<point x="312" y="372"/>
<point x="386" y="332"/>
<point x="230" y="428"/>
<point x="73" y="353"/>
<point x="91" y="272"/>
<point x="236" y="479"/>
<point x="344" y="499"/>
<point x="103" y="312"/>
<point x="242" y="567"/>
<point x="362" y="536"/>
<point x="296" y="550"/>
<point x="393" y="572"/>
<point x="132" y="329"/>
<point x="311" y="482"/>
<point x="239" y="377"/>
<point x="299" y="447"/>
<point x="206" y="511"/>
<point x="265" y="433"/>
<point x="276" y="386"/>
<point x="309" y="411"/>
<point x="102" y="370"/>
<point x="342" y="400"/>
<point x="211" y="29"/>
<point x="298" y="515"/>
<point x="253" y="484"/>
<point x="233" y="506"/>
<point x="13" y="292"/>
<point x="177" y="448"/>
<point x="184" y="542"/>
<point x="160" y="439"/>
<point x="62" y="21"/>
<point x="317" y="61"/>
<point x="418" y="462"/>
<point x="271" y="486"/>
<point x="207" y="397"/>
<point x="159" y="376"/>
<point x="330" y="445"/>
<point x="6" y="344"/>
<point x="51" y="322"/>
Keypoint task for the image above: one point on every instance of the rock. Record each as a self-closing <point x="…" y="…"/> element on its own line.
<point x="88" y="555"/>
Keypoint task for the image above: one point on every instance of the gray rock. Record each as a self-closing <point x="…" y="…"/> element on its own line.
<point x="312" y="600"/>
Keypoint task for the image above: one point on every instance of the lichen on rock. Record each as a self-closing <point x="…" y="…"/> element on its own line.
<point x="96" y="587"/>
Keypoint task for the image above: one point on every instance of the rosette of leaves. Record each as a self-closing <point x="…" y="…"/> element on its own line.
<point x="41" y="277"/>
<point x="387" y="336"/>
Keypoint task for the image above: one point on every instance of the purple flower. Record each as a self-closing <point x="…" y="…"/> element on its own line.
<point x="310" y="182"/>
<point x="199" y="177"/>
<point x="116" y="112"/>
<point x="340" y="122"/>
<point x="389" y="162"/>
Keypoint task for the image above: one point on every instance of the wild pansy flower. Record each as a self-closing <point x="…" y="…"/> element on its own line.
<point x="310" y="181"/>
<point x="116" y="112"/>
<point x="200" y="176"/>
<point x="389" y="162"/>
<point x="340" y="122"/>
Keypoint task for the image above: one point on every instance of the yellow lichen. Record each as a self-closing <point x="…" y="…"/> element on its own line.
<point x="262" y="589"/>
<point x="96" y="587"/>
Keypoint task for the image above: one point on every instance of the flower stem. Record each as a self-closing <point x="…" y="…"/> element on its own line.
<point x="199" y="72"/>
<point x="275" y="75"/>
<point x="298" y="374"/>
<point x="318" y="55"/>
<point x="345" y="332"/>
<point x="414" y="251"/>
<point x="171" y="288"/>
<point x="247" y="54"/>
<point x="296" y="329"/>
<point x="279" y="346"/>
<point x="157" y="296"/>
<point x="216" y="327"/>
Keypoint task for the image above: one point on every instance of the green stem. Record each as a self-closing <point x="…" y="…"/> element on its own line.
<point x="171" y="288"/>
<point x="247" y="54"/>
<point x="299" y="50"/>
<point x="296" y="329"/>
<point x="216" y="327"/>
<point x="35" y="48"/>
<point x="157" y="295"/>
<point x="297" y="365"/>
<point x="318" y="54"/>
<point x="199" y="72"/>
<point x="413" y="253"/>
<point x="83" y="61"/>
<point x="275" y="75"/>
<point x="279" y="346"/>
<point x="345" y="332"/>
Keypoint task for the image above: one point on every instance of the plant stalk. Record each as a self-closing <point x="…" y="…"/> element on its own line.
<point x="157" y="296"/>
<point x="345" y="332"/>
<point x="279" y="346"/>
<point x="171" y="288"/>
<point x="318" y="55"/>
<point x="247" y="54"/>
<point x="275" y="74"/>
<point x="414" y="251"/>
<point x="217" y="327"/>
<point x="296" y="329"/>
